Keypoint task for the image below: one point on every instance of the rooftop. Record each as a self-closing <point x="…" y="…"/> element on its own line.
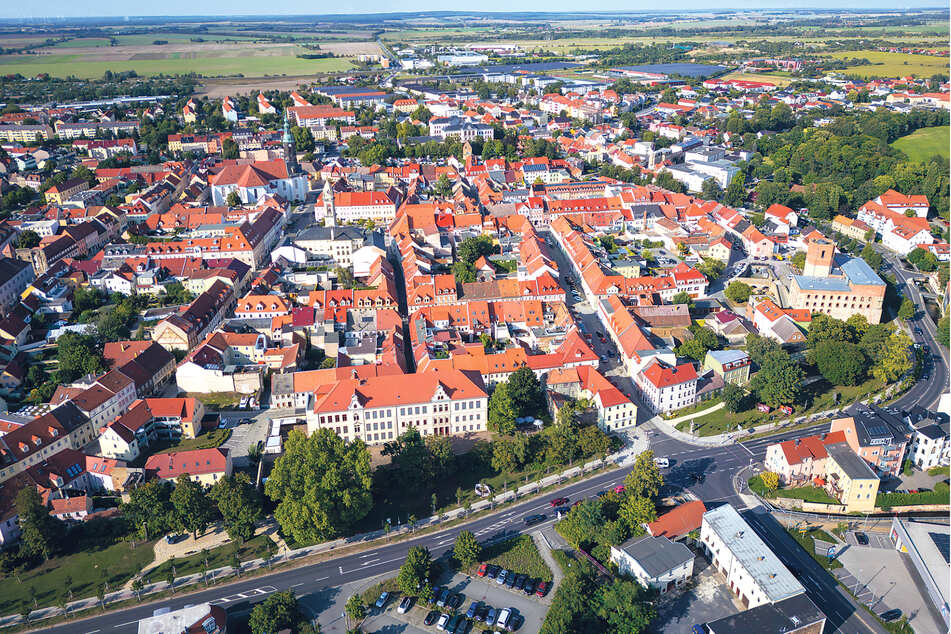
<point x="657" y="555"/>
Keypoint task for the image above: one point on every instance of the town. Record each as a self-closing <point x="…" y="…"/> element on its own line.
<point x="478" y="336"/>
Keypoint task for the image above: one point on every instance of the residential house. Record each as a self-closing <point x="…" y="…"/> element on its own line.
<point x="850" y="480"/>
<point x="733" y="366"/>
<point x="665" y="388"/>
<point x="876" y="436"/>
<point x="655" y="562"/>
<point x="205" y="466"/>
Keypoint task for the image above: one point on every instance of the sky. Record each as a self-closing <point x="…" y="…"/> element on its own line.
<point x="119" y="8"/>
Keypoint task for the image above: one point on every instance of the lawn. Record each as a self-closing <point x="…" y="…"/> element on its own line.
<point x="893" y="64"/>
<point x="519" y="555"/>
<point x="217" y="400"/>
<point x="241" y="64"/>
<point x="922" y="144"/>
<point x="819" y="395"/>
<point x="933" y="471"/>
<point x="96" y="559"/>
<point x="807" y="543"/>
<point x="208" y="440"/>
<point x="940" y="495"/>
<point x="779" y="80"/>
<point x="254" y="548"/>
<point x="806" y="493"/>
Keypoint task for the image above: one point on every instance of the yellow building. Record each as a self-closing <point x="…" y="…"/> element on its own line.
<point x="733" y="366"/>
<point x="58" y="194"/>
<point x="849" y="479"/>
<point x="850" y="227"/>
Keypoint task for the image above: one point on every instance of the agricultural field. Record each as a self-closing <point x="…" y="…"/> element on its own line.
<point x="204" y="58"/>
<point x="894" y="64"/>
<point x="922" y="144"/>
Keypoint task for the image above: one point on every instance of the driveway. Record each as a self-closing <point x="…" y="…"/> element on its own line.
<point x="245" y="435"/>
<point x="705" y="599"/>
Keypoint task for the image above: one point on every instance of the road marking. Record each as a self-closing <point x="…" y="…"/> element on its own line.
<point x="127" y="623"/>
<point x="367" y="563"/>
<point x="297" y="584"/>
<point x="373" y="554"/>
<point x="321" y="578"/>
<point x="92" y="632"/>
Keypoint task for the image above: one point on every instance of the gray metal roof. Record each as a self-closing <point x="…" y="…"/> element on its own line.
<point x="769" y="574"/>
<point x="657" y="555"/>
<point x="853" y="466"/>
<point x="822" y="283"/>
<point x="859" y="272"/>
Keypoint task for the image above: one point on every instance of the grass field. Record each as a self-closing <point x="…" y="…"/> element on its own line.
<point x="808" y="544"/>
<point x="894" y="64"/>
<point x="519" y="555"/>
<point x="779" y="80"/>
<point x="240" y="62"/>
<point x="922" y="144"/>
<point x="254" y="548"/>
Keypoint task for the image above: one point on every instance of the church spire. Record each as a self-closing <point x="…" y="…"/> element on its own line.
<point x="290" y="148"/>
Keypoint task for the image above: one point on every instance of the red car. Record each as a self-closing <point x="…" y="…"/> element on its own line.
<point x="542" y="589"/>
<point x="558" y="502"/>
<point x="482" y="570"/>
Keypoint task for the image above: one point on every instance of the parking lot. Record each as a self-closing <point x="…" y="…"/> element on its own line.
<point x="531" y="609"/>
<point x="243" y="435"/>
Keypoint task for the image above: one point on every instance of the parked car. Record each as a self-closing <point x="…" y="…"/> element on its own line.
<point x="454" y="623"/>
<point x="454" y="601"/>
<point x="861" y="538"/>
<point x="531" y="520"/>
<point x="490" y="617"/>
<point x="520" y="582"/>
<point x="481" y="612"/>
<point x="542" y="589"/>
<point x="492" y="571"/>
<point x="501" y="578"/>
<point x="557" y="502"/>
<point x="473" y="610"/>
<point x="619" y="488"/>
<point x="529" y="586"/>
<point x="515" y="622"/>
<point x="405" y="605"/>
<point x="510" y="580"/>
<point x="384" y="597"/>
<point x="890" y="615"/>
<point x="443" y="622"/>
<point x="443" y="596"/>
<point x="431" y="617"/>
<point x="504" y="615"/>
<point x="483" y="568"/>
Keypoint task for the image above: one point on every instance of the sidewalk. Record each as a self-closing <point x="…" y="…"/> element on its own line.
<point x="544" y="549"/>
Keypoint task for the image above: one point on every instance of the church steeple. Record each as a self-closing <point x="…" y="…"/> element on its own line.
<point x="290" y="148"/>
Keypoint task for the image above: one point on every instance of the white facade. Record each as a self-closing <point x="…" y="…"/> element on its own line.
<point x="668" y="567"/>
<point x="291" y="188"/>
<point x="930" y="447"/>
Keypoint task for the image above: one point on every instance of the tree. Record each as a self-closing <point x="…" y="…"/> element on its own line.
<point x="149" y="508"/>
<point x="711" y="190"/>
<point x="466" y="550"/>
<point x="27" y="239"/>
<point x="798" y="260"/>
<point x="39" y="531"/>
<point x="502" y="411"/>
<point x="509" y="453"/>
<point x="625" y="607"/>
<point x="770" y="480"/>
<point x="233" y="200"/>
<point x="583" y="522"/>
<point x="645" y="479"/>
<point x="779" y="380"/>
<point x="692" y="348"/>
<point x="278" y="612"/>
<point x="683" y="297"/>
<point x="229" y="149"/>
<point x="78" y="355"/>
<point x="414" y="571"/>
<point x="137" y="587"/>
<point x="190" y="508"/>
<point x="471" y="249"/>
<point x="593" y="442"/>
<point x="738" y="292"/>
<point x="411" y="461"/>
<point x="355" y="609"/>
<point x="636" y="511"/>
<point x="943" y="327"/>
<point x="907" y="309"/>
<point x="871" y="257"/>
<point x="526" y="392"/>
<point x="826" y="328"/>
<point x="735" y="194"/>
<point x="760" y="347"/>
<point x="321" y="484"/>
<point x="893" y="360"/>
<point x="442" y="187"/>
<point x="239" y="503"/>
<point x="840" y="362"/>
<point x="734" y="398"/>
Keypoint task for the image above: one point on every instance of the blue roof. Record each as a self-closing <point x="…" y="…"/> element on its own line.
<point x="822" y="283"/>
<point x="684" y="69"/>
<point x="859" y="272"/>
<point x="727" y="356"/>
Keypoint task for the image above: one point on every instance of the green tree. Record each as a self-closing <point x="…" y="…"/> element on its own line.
<point x="734" y="398"/>
<point x="736" y="192"/>
<point x="442" y="187"/>
<point x="583" y="523"/>
<point x="526" y="392"/>
<point x="278" y="612"/>
<point x="871" y="257"/>
<point x="149" y="508"/>
<point x="625" y="607"/>
<point x="502" y="411"/>
<point x="826" y="328"/>
<point x="321" y="485"/>
<point x="27" y="239"/>
<point x="798" y="260"/>
<point x="779" y="380"/>
<point x="943" y="326"/>
<point x="233" y="200"/>
<point x="760" y="347"/>
<point x="893" y="360"/>
<point x="414" y="571"/>
<point x="683" y="297"/>
<point x="78" y="355"/>
<point x="39" y="531"/>
<point x="636" y="511"/>
<point x="471" y="249"/>
<point x="907" y="309"/>
<point x="239" y="503"/>
<point x="738" y="292"/>
<point x="466" y="550"/>
<point x="355" y="609"/>
<point x="840" y="362"/>
<point x="645" y="479"/>
<point x="229" y="149"/>
<point x="692" y="348"/>
<point x="190" y="508"/>
<point x="509" y="453"/>
<point x="711" y="190"/>
<point x="593" y="442"/>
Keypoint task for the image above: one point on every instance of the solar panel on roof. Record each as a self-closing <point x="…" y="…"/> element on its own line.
<point x="942" y="542"/>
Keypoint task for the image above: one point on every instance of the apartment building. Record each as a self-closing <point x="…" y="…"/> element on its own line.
<point x="63" y="427"/>
<point x="15" y="276"/>
<point x="850" y="480"/>
<point x="800" y="460"/>
<point x="876" y="436"/>
<point x="378" y="409"/>
<point x="656" y="562"/>
<point x="753" y="572"/>
<point x="733" y="366"/>
<point x="930" y="445"/>
<point x="664" y="388"/>
<point x="205" y="466"/>
<point x="183" y="331"/>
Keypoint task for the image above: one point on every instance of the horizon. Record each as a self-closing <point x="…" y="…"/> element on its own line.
<point x="60" y="10"/>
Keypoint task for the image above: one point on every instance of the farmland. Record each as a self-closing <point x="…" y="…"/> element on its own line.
<point x="922" y="144"/>
<point x="893" y="64"/>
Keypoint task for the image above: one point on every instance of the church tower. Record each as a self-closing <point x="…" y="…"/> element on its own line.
<point x="290" y="149"/>
<point x="819" y="257"/>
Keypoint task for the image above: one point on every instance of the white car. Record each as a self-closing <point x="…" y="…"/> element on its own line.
<point x="405" y="605"/>
<point x="441" y="623"/>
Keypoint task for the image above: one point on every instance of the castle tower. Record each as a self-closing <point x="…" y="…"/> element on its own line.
<point x="819" y="258"/>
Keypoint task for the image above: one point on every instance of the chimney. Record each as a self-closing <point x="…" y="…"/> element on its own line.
<point x="353" y="374"/>
<point x="797" y="442"/>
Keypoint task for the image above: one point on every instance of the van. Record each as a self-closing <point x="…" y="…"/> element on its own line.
<point x="504" y="615"/>
<point x="663" y="463"/>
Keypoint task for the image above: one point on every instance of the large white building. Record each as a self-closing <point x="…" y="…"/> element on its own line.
<point x="256" y="180"/>
<point x="379" y="409"/>
<point x="753" y="572"/>
<point x="930" y="446"/>
<point x="664" y="388"/>
<point x="656" y="562"/>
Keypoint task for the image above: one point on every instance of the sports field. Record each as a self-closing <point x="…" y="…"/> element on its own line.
<point x="922" y="144"/>
<point x="894" y="64"/>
